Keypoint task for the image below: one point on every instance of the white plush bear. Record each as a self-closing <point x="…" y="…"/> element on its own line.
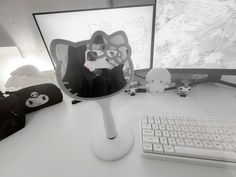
<point x="158" y="79"/>
<point x="28" y="75"/>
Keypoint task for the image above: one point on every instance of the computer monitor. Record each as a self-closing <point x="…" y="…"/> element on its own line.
<point x="79" y="25"/>
<point x="196" y="37"/>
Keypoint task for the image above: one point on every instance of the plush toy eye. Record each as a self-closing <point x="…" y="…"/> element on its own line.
<point x="34" y="94"/>
<point x="189" y="89"/>
<point x="44" y="98"/>
<point x="103" y="47"/>
<point x="152" y="81"/>
<point x="160" y="81"/>
<point x="111" y="53"/>
<point x="180" y="88"/>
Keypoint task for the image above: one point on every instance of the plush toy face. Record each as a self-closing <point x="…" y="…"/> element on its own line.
<point x="157" y="80"/>
<point x="183" y="90"/>
<point x="107" y="51"/>
<point x="36" y="100"/>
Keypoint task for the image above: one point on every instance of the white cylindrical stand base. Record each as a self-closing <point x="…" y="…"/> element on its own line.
<point x="112" y="149"/>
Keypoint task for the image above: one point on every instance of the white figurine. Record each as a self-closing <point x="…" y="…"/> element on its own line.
<point x="158" y="79"/>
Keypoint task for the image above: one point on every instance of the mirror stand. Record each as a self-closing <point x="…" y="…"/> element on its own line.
<point x="116" y="141"/>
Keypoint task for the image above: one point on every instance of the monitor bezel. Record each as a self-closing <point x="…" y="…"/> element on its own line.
<point x="93" y="9"/>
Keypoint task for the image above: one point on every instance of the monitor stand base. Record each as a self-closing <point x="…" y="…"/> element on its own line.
<point x="209" y="79"/>
<point x="214" y="78"/>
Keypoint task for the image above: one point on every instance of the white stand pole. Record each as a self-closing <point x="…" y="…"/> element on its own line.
<point x="114" y="142"/>
<point x="108" y="119"/>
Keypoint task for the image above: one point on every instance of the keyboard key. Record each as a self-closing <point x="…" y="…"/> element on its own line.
<point x="192" y="129"/>
<point x="206" y="153"/>
<point x="189" y="135"/>
<point x="171" y="122"/>
<point x="233" y="138"/>
<point x="165" y="134"/>
<point x="227" y="138"/>
<point x="228" y="146"/>
<point x="178" y="122"/>
<point x="234" y="145"/>
<point x="198" y="143"/>
<point x="173" y="134"/>
<point x="150" y="139"/>
<point x="168" y="149"/>
<point x="164" y="121"/>
<point x="184" y="129"/>
<point x="158" y="133"/>
<point x="148" y="132"/>
<point x="218" y="145"/>
<point x="162" y="127"/>
<point x="157" y="148"/>
<point x="207" y="145"/>
<point x="227" y="131"/>
<point x="189" y="142"/>
<point x="181" y="134"/>
<point x="169" y="127"/>
<point x="163" y="141"/>
<point x="146" y="126"/>
<point x="155" y="127"/>
<point x="171" y="141"/>
<point x="157" y="120"/>
<point x="201" y="129"/>
<point x="180" y="142"/>
<point x="198" y="136"/>
<point x="176" y="128"/>
<point x="147" y="147"/>
<point x="144" y="119"/>
<point x="150" y="120"/>
<point x="207" y="137"/>
<point x="216" y="137"/>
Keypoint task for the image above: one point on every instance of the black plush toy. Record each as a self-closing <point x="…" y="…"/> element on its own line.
<point x="12" y="115"/>
<point x="14" y="105"/>
<point x="39" y="96"/>
<point x="183" y="89"/>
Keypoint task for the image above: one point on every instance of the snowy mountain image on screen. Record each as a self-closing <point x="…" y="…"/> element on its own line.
<point x="195" y="34"/>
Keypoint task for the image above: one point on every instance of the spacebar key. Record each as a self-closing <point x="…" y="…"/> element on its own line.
<point x="206" y="153"/>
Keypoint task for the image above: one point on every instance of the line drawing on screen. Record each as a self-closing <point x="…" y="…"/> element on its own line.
<point x="76" y="26"/>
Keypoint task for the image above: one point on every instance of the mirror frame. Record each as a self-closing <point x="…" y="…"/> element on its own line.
<point x="55" y="42"/>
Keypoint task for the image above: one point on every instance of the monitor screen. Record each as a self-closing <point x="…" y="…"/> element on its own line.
<point x="195" y="34"/>
<point x="77" y="26"/>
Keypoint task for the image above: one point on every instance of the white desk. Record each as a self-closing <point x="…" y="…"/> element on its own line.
<point x="55" y="141"/>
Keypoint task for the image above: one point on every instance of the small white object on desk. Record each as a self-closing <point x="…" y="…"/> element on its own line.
<point x="158" y="79"/>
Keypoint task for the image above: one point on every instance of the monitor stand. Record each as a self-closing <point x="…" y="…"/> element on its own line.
<point x="216" y="78"/>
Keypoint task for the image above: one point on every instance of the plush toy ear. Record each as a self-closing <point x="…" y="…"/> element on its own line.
<point x="99" y="37"/>
<point x="59" y="52"/>
<point x="118" y="39"/>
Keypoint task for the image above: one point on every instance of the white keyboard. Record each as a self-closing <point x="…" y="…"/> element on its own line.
<point x="192" y="138"/>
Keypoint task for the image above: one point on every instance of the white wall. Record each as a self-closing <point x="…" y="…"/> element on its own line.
<point x="5" y="38"/>
<point x="16" y="18"/>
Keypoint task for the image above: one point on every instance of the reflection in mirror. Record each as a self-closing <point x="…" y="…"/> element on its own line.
<point x="98" y="67"/>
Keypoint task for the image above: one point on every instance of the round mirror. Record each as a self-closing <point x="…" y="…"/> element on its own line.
<point x="93" y="69"/>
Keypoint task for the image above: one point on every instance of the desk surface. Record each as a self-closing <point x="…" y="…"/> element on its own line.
<point x="56" y="140"/>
